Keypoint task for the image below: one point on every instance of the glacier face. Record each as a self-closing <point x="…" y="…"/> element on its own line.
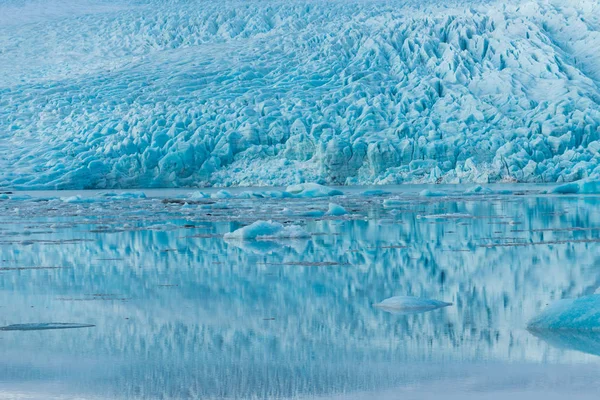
<point x="106" y="94"/>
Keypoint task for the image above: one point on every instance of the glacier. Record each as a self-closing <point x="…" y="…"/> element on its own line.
<point x="174" y="93"/>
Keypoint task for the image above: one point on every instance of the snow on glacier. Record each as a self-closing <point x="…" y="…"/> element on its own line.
<point x="160" y="93"/>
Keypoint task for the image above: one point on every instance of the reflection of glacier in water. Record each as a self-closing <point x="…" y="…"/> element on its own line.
<point x="180" y="313"/>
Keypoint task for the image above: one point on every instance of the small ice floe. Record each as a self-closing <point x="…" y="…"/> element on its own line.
<point x="310" y="190"/>
<point x="44" y="326"/>
<point x="267" y="230"/>
<point x="395" y="202"/>
<point x="580" y="314"/>
<point x="130" y="195"/>
<point x="221" y="194"/>
<point x="446" y="216"/>
<point x="410" y="305"/>
<point x="199" y="195"/>
<point x="125" y="195"/>
<point x="80" y="200"/>
<point x="20" y="197"/>
<point x="375" y="192"/>
<point x="431" y="193"/>
<point x="335" y="210"/>
<point x="480" y="190"/>
<point x="585" y="186"/>
<point x="268" y="194"/>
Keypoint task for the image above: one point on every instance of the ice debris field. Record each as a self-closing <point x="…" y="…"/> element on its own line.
<point x="159" y="93"/>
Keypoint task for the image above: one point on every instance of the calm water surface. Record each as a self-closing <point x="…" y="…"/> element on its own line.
<point x="179" y="312"/>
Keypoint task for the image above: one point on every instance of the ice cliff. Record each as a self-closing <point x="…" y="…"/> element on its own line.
<point x="106" y="94"/>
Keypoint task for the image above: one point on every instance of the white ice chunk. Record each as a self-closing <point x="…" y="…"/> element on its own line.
<point x="312" y="190"/>
<point x="267" y="230"/>
<point x="446" y="216"/>
<point x="199" y="195"/>
<point x="221" y="194"/>
<point x="80" y="199"/>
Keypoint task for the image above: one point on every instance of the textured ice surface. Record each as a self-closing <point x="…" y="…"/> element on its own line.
<point x="570" y="314"/>
<point x="410" y="305"/>
<point x="161" y="93"/>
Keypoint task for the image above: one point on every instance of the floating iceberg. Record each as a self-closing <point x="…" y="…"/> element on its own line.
<point x="44" y="326"/>
<point x="81" y="199"/>
<point x="410" y="305"/>
<point x="336" y="210"/>
<point x="312" y="190"/>
<point x="479" y="190"/>
<point x="585" y="186"/>
<point x="395" y="202"/>
<point x="221" y="194"/>
<point x="199" y="195"/>
<point x="432" y="193"/>
<point x="446" y="216"/>
<point x="267" y="230"/>
<point x="582" y="313"/>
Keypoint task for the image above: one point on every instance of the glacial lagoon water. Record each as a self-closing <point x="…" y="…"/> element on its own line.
<point x="166" y="308"/>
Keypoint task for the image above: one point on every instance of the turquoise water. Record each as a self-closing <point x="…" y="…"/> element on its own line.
<point x="179" y="312"/>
